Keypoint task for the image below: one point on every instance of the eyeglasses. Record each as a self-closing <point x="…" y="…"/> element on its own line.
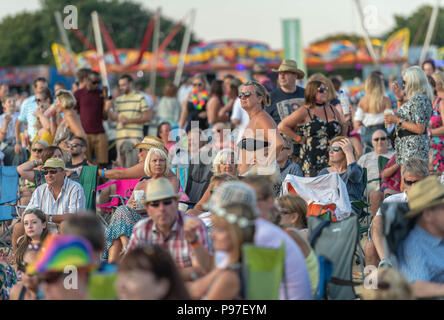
<point x="197" y="84"/>
<point x="245" y="94"/>
<point x="37" y="150"/>
<point x="73" y="145"/>
<point x="335" y="149"/>
<point x="231" y="218"/>
<point x="95" y="82"/>
<point x="380" y="138"/>
<point x="46" y="172"/>
<point x="40" y="100"/>
<point x="50" y="278"/>
<point x="409" y="182"/>
<point x="166" y="202"/>
<point x="323" y="89"/>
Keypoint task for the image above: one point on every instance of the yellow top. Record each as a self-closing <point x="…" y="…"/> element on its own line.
<point x="131" y="106"/>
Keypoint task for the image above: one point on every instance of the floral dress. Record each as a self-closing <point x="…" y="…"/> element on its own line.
<point x="417" y="109"/>
<point x="437" y="143"/>
<point x="318" y="134"/>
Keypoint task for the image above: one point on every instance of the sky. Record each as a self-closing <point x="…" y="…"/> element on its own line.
<point x="260" y="20"/>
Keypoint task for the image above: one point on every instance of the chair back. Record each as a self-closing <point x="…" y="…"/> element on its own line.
<point x="88" y="180"/>
<point x="9" y="180"/>
<point x="124" y="189"/>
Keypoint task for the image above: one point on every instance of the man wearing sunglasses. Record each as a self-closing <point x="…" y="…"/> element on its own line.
<point x="185" y="236"/>
<point x="93" y="106"/>
<point x="59" y="197"/>
<point x="414" y="170"/>
<point x="77" y="149"/>
<point x="370" y="159"/>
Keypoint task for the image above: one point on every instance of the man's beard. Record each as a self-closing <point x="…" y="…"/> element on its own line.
<point x="75" y="154"/>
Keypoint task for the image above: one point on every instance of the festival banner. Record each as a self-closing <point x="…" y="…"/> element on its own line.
<point x="397" y="46"/>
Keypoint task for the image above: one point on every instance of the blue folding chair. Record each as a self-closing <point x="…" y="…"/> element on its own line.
<point x="9" y="181"/>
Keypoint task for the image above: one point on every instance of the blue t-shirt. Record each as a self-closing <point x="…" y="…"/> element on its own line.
<point x="283" y="104"/>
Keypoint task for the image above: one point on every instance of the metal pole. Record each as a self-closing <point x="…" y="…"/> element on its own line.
<point x="64" y="36"/>
<point x="429" y="33"/>
<point x="153" y="73"/>
<point x="99" y="46"/>
<point x="184" y="49"/>
<point x="368" y="43"/>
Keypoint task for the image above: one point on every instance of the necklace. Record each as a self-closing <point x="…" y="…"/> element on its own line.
<point x="320" y="104"/>
<point x="199" y="104"/>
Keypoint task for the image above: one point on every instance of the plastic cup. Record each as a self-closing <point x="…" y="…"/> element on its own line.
<point x="388" y="111"/>
<point x="139" y="195"/>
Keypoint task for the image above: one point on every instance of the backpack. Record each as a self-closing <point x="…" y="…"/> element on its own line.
<point x="337" y="242"/>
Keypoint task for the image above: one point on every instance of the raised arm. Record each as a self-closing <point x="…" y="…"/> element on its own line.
<point x="289" y="124"/>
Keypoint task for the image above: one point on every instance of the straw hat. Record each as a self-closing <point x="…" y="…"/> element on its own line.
<point x="159" y="189"/>
<point x="151" y="142"/>
<point x="424" y="194"/>
<point x="291" y="66"/>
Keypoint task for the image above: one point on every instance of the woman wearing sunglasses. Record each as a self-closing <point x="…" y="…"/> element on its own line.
<point x="233" y="227"/>
<point x="28" y="288"/>
<point x="119" y="231"/>
<point x="195" y="106"/>
<point x="320" y="122"/>
<point x="342" y="160"/>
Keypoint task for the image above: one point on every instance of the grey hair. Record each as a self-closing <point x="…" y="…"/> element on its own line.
<point x="416" y="83"/>
<point x="260" y="91"/>
<point x="148" y="159"/>
<point x="416" y="166"/>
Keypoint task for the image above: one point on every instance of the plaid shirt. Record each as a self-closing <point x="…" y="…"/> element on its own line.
<point x="145" y="233"/>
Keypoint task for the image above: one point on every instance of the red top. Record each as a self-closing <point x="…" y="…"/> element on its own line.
<point x="90" y="108"/>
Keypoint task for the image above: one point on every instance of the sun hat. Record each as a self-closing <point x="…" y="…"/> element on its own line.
<point x="151" y="142"/>
<point x="159" y="189"/>
<point x="54" y="163"/>
<point x="59" y="251"/>
<point x="424" y="194"/>
<point x="291" y="66"/>
<point x="232" y="192"/>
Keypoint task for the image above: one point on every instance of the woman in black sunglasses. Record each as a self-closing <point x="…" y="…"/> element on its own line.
<point x="28" y="288"/>
<point x="320" y="122"/>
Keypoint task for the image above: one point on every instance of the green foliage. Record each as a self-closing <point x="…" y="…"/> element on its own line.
<point x="26" y="38"/>
<point x="340" y="36"/>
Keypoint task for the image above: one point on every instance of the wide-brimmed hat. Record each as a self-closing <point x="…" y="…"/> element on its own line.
<point x="159" y="189"/>
<point x="151" y="142"/>
<point x="59" y="251"/>
<point x="424" y="194"/>
<point x="54" y="163"/>
<point x="259" y="68"/>
<point x="290" y="66"/>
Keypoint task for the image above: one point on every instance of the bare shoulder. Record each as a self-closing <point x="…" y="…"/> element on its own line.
<point x="15" y="291"/>
<point x="264" y="120"/>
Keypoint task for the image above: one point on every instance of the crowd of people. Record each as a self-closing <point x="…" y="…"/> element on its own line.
<point x="213" y="181"/>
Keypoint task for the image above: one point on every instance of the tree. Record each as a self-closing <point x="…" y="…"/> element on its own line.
<point x="26" y="38"/>
<point x="418" y="23"/>
<point x="340" y="36"/>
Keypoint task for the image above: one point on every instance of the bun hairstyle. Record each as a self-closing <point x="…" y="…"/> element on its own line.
<point x="260" y="91"/>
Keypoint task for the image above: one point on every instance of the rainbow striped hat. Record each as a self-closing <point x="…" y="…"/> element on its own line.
<point x="59" y="251"/>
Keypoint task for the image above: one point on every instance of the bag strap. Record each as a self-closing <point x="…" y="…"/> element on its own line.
<point x="341" y="282"/>
<point x="317" y="232"/>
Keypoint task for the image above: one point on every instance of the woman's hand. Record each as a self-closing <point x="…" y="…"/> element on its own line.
<point x="346" y="146"/>
<point x="190" y="229"/>
<point x="397" y="90"/>
<point x="390" y="118"/>
<point x="132" y="204"/>
<point x="202" y="115"/>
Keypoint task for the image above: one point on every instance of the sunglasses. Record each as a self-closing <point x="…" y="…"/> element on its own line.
<point x="245" y="94"/>
<point x="323" y="89"/>
<point x="381" y="138"/>
<point x="335" y="149"/>
<point x="46" y="172"/>
<point x="50" y="278"/>
<point x="197" y="84"/>
<point x="37" y="150"/>
<point x="74" y="145"/>
<point x="95" y="82"/>
<point x="166" y="202"/>
<point x="409" y="182"/>
<point x="39" y="100"/>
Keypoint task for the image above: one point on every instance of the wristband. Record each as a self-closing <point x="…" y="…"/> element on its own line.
<point x="298" y="139"/>
<point x="194" y="244"/>
<point x="195" y="240"/>
<point x="103" y="172"/>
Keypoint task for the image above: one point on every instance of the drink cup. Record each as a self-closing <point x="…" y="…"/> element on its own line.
<point x="388" y="111"/>
<point x="50" y="111"/>
<point x="139" y="195"/>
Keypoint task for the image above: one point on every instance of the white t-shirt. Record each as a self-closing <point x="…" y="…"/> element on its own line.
<point x="242" y="115"/>
<point x="398" y="197"/>
<point x="296" y="273"/>
<point x="369" y="119"/>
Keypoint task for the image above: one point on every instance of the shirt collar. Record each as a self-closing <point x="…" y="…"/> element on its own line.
<point x="428" y="238"/>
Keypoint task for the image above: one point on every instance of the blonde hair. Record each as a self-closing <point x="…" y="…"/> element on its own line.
<point x="331" y="93"/>
<point x="222" y="156"/>
<point x="392" y="285"/>
<point x="416" y="83"/>
<point x="161" y="153"/>
<point x="440" y="75"/>
<point x="374" y="89"/>
<point x="260" y="91"/>
<point x="66" y="98"/>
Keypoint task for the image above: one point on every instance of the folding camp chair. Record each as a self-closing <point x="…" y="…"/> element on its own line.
<point x="8" y="203"/>
<point x="263" y="270"/>
<point x="88" y="180"/>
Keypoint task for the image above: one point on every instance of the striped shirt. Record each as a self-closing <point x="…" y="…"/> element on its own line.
<point x="70" y="200"/>
<point x="27" y="110"/>
<point x="146" y="233"/>
<point x="131" y="106"/>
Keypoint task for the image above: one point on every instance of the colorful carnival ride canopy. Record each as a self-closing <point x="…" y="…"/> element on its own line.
<point x="238" y="54"/>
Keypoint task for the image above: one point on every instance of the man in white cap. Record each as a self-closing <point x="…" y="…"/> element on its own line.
<point x="295" y="284"/>
<point x="421" y="254"/>
<point x="185" y="236"/>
